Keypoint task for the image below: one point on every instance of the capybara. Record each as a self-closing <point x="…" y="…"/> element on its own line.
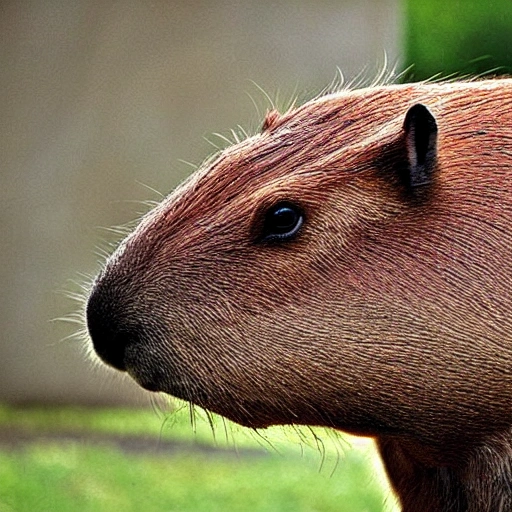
<point x="346" y="267"/>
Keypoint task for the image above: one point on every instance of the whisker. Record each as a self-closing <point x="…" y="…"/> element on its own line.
<point x="264" y="442"/>
<point x="151" y="189"/>
<point x="265" y="94"/>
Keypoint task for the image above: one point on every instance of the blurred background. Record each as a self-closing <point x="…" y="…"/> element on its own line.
<point x="107" y="104"/>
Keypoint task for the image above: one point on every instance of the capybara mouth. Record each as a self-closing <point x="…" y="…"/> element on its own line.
<point x="144" y="366"/>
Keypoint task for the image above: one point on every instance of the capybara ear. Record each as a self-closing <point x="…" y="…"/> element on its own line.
<point x="421" y="142"/>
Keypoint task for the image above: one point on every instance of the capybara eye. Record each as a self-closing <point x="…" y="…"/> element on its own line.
<point x="282" y="222"/>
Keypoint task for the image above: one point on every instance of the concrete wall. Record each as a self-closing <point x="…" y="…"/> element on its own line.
<point x="100" y="100"/>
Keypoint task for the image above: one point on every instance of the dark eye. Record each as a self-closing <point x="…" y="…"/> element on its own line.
<point x="282" y="222"/>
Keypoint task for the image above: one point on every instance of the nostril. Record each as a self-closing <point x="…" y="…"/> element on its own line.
<point x="109" y="335"/>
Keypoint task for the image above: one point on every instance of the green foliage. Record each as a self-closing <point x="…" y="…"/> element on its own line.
<point x="458" y="37"/>
<point x="53" y="471"/>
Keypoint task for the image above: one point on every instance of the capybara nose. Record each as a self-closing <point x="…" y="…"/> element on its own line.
<point x="107" y="328"/>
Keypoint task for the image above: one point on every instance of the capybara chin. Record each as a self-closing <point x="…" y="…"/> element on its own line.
<point x="346" y="267"/>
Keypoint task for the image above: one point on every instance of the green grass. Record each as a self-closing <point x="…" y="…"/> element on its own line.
<point x="69" y="460"/>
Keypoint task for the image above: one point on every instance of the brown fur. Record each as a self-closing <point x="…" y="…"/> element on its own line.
<point x="387" y="316"/>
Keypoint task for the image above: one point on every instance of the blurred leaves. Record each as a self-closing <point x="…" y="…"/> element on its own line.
<point x="461" y="37"/>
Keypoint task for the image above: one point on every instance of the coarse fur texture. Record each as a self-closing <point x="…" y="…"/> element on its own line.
<point x="387" y="315"/>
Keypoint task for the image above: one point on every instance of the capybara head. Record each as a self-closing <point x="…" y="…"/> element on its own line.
<point x="344" y="267"/>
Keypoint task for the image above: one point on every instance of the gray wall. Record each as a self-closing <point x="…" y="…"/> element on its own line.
<point x="100" y="100"/>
